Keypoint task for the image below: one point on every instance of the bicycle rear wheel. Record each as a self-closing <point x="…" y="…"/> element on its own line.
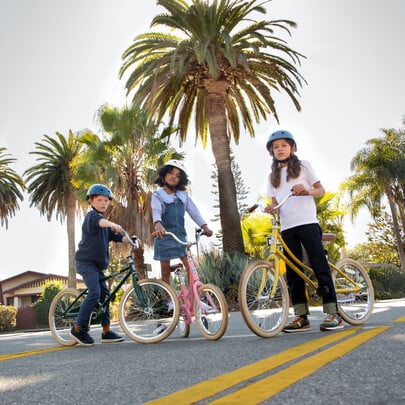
<point x="355" y="298"/>
<point x="62" y="315"/>
<point x="212" y="320"/>
<point x="144" y="316"/>
<point x="263" y="299"/>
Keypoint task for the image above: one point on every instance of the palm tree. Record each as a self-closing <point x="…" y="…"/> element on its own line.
<point x="379" y="172"/>
<point x="50" y="186"/>
<point x="125" y="158"/>
<point x="11" y="187"/>
<point x="224" y="76"/>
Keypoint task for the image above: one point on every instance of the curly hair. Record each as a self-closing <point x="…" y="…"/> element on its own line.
<point x="161" y="174"/>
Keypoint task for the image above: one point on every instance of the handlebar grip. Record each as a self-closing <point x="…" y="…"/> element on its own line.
<point x="252" y="208"/>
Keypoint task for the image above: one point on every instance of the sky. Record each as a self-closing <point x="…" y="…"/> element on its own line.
<point x="60" y="60"/>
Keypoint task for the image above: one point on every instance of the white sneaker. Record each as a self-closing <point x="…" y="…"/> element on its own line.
<point x="170" y="307"/>
<point x="161" y="327"/>
<point x="205" y="307"/>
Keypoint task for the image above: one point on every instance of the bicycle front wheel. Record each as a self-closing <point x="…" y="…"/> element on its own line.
<point x="212" y="318"/>
<point x="62" y="315"/>
<point x="354" y="291"/>
<point x="144" y="313"/>
<point x="263" y="299"/>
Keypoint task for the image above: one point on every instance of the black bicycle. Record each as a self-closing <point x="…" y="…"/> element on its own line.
<point x="142" y="308"/>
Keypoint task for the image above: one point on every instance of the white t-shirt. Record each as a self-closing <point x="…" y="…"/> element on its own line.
<point x="298" y="210"/>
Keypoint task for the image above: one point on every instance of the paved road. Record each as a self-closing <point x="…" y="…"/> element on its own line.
<point x="357" y="366"/>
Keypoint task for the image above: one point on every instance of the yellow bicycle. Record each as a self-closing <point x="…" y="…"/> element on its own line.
<point x="263" y="292"/>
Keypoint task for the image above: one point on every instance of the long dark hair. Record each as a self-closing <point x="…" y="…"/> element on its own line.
<point x="293" y="167"/>
<point x="161" y="174"/>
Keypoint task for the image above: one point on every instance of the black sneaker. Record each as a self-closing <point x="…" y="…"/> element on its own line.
<point x="81" y="337"/>
<point x="111" y="337"/>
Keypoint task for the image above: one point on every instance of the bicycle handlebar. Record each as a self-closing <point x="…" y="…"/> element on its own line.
<point x="133" y="240"/>
<point x="198" y="232"/>
<point x="283" y="201"/>
<point x="276" y="207"/>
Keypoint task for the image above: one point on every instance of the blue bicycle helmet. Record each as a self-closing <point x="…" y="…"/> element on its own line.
<point x="282" y="134"/>
<point x="99" y="189"/>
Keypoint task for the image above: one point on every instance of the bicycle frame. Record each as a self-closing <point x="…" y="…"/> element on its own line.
<point x="130" y="272"/>
<point x="279" y="251"/>
<point x="187" y="296"/>
<point x="203" y="303"/>
<point x="264" y="295"/>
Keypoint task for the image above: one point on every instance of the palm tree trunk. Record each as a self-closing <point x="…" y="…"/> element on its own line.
<point x="397" y="231"/>
<point x="232" y="240"/>
<point x="70" y="224"/>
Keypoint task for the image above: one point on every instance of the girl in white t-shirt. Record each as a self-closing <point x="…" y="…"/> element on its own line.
<point x="300" y="228"/>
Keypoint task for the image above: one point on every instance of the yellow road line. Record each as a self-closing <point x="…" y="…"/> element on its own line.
<point x="223" y="382"/>
<point x="264" y="389"/>
<point x="32" y="353"/>
<point x="402" y="319"/>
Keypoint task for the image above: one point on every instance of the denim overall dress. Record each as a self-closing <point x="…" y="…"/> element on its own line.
<point x="167" y="248"/>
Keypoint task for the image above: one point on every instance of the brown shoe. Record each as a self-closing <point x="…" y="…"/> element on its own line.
<point x="299" y="324"/>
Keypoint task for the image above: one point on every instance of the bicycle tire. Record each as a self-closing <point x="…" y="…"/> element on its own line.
<point x="60" y="322"/>
<point x="265" y="316"/>
<point x="145" y="318"/>
<point x="354" y="307"/>
<point x="212" y="322"/>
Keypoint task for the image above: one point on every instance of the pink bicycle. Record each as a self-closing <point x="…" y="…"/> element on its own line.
<point x="204" y="304"/>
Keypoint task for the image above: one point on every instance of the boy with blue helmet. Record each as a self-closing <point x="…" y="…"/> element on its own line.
<point x="92" y="259"/>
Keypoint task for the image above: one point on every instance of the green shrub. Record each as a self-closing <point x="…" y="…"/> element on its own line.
<point x="388" y="282"/>
<point x="41" y="306"/>
<point x="8" y="316"/>
<point x="224" y="271"/>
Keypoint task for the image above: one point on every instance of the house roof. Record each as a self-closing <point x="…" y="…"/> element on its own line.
<point x="37" y="280"/>
<point x="25" y="273"/>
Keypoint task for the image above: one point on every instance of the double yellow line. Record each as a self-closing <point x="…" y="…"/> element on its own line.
<point x="31" y="353"/>
<point x="258" y="391"/>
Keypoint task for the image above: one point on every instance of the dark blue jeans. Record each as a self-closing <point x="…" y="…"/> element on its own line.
<point x="310" y="237"/>
<point x="97" y="293"/>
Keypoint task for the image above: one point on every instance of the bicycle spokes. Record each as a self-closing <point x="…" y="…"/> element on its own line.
<point x="147" y="317"/>
<point x="211" y="312"/>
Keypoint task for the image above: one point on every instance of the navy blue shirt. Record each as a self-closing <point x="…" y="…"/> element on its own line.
<point x="95" y="239"/>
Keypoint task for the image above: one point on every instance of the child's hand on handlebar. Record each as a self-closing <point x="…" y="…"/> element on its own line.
<point x="299" y="189"/>
<point x="207" y="231"/>
<point x="270" y="209"/>
<point x="159" y="230"/>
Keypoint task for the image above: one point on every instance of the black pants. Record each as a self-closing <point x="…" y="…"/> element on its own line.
<point x="309" y="236"/>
